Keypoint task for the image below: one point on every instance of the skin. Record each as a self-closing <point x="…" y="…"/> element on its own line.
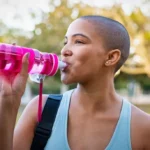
<point x="95" y="98"/>
<point x="10" y="95"/>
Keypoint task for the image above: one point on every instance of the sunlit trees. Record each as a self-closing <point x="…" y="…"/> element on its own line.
<point x="48" y="36"/>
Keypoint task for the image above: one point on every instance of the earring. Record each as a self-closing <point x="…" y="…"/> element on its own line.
<point x="107" y="62"/>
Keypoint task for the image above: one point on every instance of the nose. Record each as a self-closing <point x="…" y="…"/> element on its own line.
<point x="66" y="52"/>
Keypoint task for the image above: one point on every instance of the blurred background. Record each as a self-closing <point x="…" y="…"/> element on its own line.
<point x="41" y="24"/>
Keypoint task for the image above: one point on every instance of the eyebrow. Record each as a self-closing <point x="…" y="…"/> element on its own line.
<point x="79" y="34"/>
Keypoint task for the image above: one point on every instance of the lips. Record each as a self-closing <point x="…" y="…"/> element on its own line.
<point x="66" y="62"/>
<point x="65" y="68"/>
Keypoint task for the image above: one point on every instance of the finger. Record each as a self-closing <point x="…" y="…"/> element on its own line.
<point x="1" y="79"/>
<point x="25" y="63"/>
<point x="4" y="84"/>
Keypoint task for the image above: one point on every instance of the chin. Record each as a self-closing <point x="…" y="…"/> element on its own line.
<point x="67" y="81"/>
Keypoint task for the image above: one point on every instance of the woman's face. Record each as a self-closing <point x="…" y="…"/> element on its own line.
<point x="83" y="52"/>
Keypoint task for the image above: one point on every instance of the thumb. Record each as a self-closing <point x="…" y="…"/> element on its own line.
<point x="25" y="63"/>
<point x="20" y="80"/>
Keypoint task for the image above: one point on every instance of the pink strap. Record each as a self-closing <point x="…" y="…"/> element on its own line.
<point x="40" y="101"/>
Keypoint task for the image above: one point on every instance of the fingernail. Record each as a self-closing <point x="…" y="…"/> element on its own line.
<point x="28" y="55"/>
<point x="13" y="43"/>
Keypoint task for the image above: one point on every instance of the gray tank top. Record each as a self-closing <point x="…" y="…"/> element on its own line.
<point x="119" y="141"/>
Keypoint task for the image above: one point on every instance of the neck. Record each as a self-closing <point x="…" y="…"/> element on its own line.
<point x="97" y="95"/>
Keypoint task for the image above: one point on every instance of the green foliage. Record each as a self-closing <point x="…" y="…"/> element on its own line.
<point x="50" y="85"/>
<point x="144" y="82"/>
<point x="48" y="36"/>
<point x="121" y="81"/>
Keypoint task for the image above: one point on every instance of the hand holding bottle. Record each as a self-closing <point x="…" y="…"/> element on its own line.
<point x="13" y="86"/>
<point x="11" y="90"/>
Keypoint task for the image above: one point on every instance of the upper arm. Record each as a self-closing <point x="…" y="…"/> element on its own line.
<point x="147" y="134"/>
<point x="140" y="129"/>
<point x="24" y="130"/>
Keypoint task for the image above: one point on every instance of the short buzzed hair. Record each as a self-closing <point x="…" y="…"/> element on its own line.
<point x="113" y="34"/>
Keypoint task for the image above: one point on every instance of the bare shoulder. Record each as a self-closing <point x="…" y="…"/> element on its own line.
<point x="31" y="109"/>
<point x="24" y="130"/>
<point x="32" y="106"/>
<point x="140" y="117"/>
<point x="140" y="127"/>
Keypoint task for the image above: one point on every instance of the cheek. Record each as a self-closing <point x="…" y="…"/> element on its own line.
<point x="86" y="64"/>
<point x="83" y="57"/>
<point x="89" y="61"/>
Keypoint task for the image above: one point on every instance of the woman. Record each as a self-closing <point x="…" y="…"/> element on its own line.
<point x="92" y="116"/>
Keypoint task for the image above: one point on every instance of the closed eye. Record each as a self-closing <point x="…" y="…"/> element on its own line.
<point x="79" y="42"/>
<point x="76" y="42"/>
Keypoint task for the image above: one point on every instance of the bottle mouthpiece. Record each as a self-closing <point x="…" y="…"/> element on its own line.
<point x="62" y="65"/>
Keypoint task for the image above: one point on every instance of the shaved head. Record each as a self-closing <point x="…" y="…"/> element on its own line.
<point x="113" y="35"/>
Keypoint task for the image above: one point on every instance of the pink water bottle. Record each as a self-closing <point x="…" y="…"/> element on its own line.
<point x="40" y="64"/>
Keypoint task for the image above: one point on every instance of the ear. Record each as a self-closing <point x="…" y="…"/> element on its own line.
<point x="113" y="57"/>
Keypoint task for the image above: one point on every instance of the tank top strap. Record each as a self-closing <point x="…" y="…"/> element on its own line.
<point x="58" y="139"/>
<point x="121" y="139"/>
